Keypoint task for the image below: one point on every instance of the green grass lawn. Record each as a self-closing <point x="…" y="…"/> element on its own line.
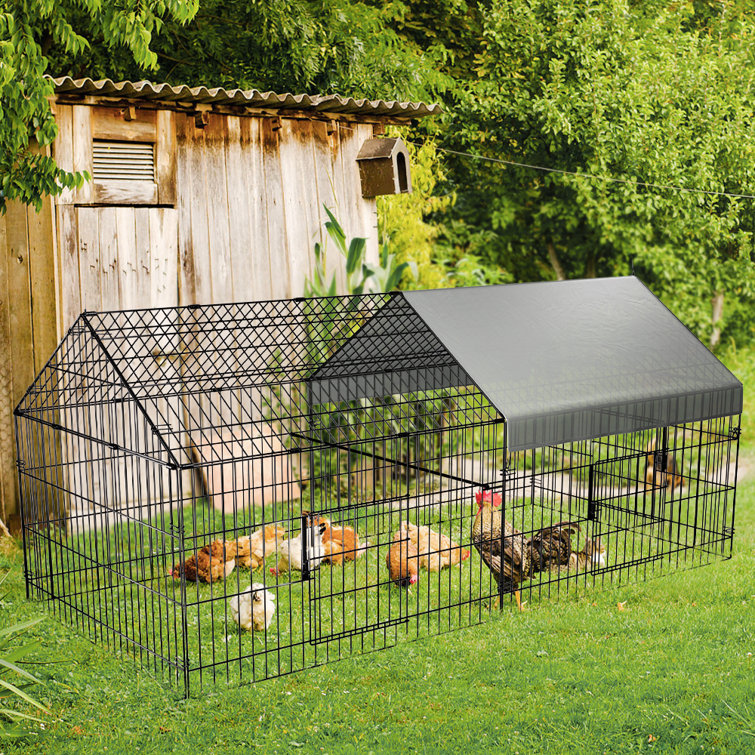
<point x="673" y="670"/>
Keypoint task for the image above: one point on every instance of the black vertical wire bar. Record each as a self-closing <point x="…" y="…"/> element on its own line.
<point x="674" y="509"/>
<point x="99" y="499"/>
<point x="591" y="505"/>
<point x="722" y="509"/>
<point x="146" y="559"/>
<point x="504" y="501"/>
<point x="736" y="432"/>
<point x="27" y="576"/>
<point x="152" y="602"/>
<point x="168" y="536"/>
<point x="130" y="582"/>
<point x="708" y="497"/>
<point x="184" y="600"/>
<point x="34" y="540"/>
<point x="685" y="493"/>
<point x="314" y="622"/>
<point x="652" y="530"/>
<point x="42" y="525"/>
<point x="722" y="491"/>
<point x="697" y="486"/>
<point x="79" y="479"/>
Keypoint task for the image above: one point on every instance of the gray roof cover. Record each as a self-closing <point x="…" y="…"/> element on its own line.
<point x="561" y="361"/>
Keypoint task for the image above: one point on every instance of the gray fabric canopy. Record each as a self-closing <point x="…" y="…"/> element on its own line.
<point x="560" y="361"/>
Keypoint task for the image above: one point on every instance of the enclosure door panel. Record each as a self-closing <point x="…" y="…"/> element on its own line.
<point x="635" y="511"/>
<point x="351" y="591"/>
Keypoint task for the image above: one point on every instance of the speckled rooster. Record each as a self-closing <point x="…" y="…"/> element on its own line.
<point x="515" y="558"/>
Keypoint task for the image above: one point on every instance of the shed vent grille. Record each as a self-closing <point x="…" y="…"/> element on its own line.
<point x="123" y="161"/>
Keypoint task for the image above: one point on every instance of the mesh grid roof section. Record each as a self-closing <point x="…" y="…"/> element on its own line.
<point x="393" y="352"/>
<point x="560" y="361"/>
<point x="570" y="360"/>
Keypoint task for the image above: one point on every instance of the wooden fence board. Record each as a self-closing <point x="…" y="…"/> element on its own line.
<point x="62" y="149"/>
<point x="82" y="150"/>
<point x="69" y="278"/>
<point x="42" y="282"/>
<point x="256" y="202"/>
<point x="297" y="160"/>
<point x="326" y="166"/>
<point x="186" y="282"/>
<point x="132" y="281"/>
<point x="239" y="212"/>
<point x="276" y="214"/>
<point x="7" y="445"/>
<point x="216" y="192"/>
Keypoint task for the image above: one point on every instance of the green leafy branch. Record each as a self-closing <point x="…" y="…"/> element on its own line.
<point x="15" y="681"/>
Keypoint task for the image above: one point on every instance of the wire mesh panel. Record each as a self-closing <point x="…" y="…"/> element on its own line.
<point x="236" y="492"/>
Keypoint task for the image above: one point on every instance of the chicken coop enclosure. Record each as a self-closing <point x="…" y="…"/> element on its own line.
<point x="236" y="492"/>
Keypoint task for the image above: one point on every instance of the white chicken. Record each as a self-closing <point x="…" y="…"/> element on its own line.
<point x="254" y="608"/>
<point x="290" y="551"/>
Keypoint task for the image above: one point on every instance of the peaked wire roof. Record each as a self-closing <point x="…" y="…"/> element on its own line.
<point x="561" y="361"/>
<point x="253" y="98"/>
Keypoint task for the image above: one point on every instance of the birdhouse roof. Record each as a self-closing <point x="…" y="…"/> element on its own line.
<point x="380" y="148"/>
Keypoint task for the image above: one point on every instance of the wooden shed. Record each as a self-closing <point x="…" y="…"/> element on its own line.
<point x="198" y="196"/>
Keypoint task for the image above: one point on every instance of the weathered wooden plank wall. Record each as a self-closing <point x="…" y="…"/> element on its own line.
<point x="28" y="332"/>
<point x="251" y="190"/>
<point x="240" y="209"/>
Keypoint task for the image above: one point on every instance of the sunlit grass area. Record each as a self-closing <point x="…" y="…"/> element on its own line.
<point x="606" y="669"/>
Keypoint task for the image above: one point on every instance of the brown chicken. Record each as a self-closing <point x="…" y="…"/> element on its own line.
<point x="213" y="562"/>
<point x="552" y="546"/>
<point x="520" y="557"/>
<point x="658" y="478"/>
<point x="252" y="549"/>
<point x="593" y="555"/>
<point x="402" y="559"/>
<point x="340" y="543"/>
<point x="436" y="551"/>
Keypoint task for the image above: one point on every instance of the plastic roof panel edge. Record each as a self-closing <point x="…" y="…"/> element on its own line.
<point x="252" y="98"/>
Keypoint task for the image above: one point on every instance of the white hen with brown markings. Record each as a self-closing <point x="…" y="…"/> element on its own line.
<point x="254" y="608"/>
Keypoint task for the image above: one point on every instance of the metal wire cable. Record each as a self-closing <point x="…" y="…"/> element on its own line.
<point x="608" y="179"/>
<point x="577" y="174"/>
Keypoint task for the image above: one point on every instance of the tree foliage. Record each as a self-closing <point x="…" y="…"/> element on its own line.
<point x="643" y="97"/>
<point x="30" y="32"/>
<point x="316" y="46"/>
<point x="642" y="93"/>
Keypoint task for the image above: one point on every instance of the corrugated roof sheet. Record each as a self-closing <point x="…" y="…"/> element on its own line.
<point x="322" y="103"/>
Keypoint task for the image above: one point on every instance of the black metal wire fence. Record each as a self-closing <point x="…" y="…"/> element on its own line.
<point x="188" y="500"/>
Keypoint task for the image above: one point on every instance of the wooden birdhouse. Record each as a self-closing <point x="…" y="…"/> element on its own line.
<point x="384" y="167"/>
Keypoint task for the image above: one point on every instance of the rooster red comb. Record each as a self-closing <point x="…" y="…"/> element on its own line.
<point x="488" y="495"/>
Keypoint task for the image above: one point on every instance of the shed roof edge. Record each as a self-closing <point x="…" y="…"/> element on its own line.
<point x="163" y="92"/>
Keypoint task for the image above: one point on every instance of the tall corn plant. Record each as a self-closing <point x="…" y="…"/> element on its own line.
<point x="331" y="323"/>
<point x="361" y="276"/>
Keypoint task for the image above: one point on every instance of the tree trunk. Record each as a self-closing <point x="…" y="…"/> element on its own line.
<point x="718" y="310"/>
<point x="555" y="262"/>
<point x="590" y="272"/>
